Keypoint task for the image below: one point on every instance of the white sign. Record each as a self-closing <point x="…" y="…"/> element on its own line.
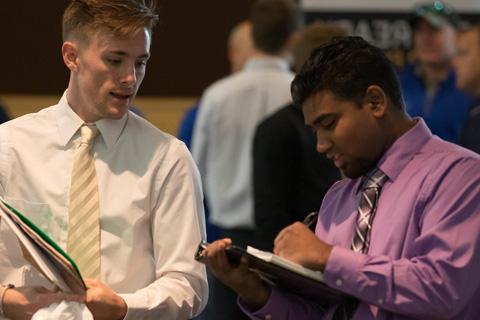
<point x="467" y="6"/>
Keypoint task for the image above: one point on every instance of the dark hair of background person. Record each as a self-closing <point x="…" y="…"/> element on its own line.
<point x="273" y="22"/>
<point x="4" y="114"/>
<point x="122" y="17"/>
<point x="347" y="67"/>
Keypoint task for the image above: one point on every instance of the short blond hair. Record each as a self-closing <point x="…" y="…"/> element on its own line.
<point x="82" y="18"/>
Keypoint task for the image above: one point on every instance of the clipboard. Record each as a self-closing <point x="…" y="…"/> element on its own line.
<point x="284" y="274"/>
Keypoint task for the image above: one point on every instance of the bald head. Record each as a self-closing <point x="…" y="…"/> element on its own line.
<point x="240" y="45"/>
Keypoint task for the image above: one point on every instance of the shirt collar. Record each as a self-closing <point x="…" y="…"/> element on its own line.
<point x="404" y="149"/>
<point x="401" y="152"/>
<point x="273" y="63"/>
<point x="69" y="123"/>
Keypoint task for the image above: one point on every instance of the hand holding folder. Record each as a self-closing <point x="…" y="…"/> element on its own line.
<point x="42" y="252"/>
<point x="282" y="273"/>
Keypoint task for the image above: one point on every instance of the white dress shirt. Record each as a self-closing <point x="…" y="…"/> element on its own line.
<point x="229" y="113"/>
<point x="150" y="206"/>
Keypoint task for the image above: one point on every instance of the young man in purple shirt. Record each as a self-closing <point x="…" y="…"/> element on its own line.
<point x="420" y="254"/>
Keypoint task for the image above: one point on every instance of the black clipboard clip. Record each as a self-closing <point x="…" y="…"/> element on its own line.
<point x="200" y="249"/>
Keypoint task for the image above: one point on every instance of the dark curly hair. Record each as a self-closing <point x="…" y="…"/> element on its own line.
<point x="346" y="66"/>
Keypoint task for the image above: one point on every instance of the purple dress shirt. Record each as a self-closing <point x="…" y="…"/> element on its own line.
<point x="424" y="256"/>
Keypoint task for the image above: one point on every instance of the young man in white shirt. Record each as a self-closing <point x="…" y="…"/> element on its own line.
<point x="148" y="185"/>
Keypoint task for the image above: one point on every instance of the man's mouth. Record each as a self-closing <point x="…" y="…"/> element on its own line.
<point x="337" y="160"/>
<point x="121" y="96"/>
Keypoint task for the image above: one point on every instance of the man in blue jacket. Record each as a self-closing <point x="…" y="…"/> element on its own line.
<point x="429" y="83"/>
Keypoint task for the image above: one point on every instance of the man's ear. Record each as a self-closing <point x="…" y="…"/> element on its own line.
<point x="70" y="55"/>
<point x="376" y="100"/>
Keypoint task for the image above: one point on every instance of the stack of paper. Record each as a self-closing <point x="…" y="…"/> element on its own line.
<point x="42" y="252"/>
<point x="284" y="274"/>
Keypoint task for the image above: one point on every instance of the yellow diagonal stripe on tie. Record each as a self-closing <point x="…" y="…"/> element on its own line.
<point x="83" y="243"/>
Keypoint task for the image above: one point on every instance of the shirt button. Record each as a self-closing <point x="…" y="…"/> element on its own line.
<point x="380" y="301"/>
<point x="339" y="282"/>
<point x="268" y="317"/>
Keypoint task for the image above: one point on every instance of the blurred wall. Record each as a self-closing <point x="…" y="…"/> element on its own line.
<point x="188" y="49"/>
<point x="188" y="53"/>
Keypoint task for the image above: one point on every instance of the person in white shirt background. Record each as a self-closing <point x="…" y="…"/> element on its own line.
<point x="150" y="200"/>
<point x="230" y="110"/>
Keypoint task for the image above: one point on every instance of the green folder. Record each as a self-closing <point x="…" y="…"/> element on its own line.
<point x="41" y="244"/>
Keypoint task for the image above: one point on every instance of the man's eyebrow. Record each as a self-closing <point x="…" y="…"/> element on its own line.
<point x="322" y="117"/>
<point x="124" y="54"/>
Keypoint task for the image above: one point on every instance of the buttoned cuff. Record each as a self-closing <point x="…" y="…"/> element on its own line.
<point x="343" y="268"/>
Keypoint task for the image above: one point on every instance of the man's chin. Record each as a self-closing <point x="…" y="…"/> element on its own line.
<point x="353" y="172"/>
<point x="349" y="174"/>
<point x="116" y="113"/>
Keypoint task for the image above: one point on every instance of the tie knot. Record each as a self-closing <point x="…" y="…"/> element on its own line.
<point x="88" y="133"/>
<point x="374" y="179"/>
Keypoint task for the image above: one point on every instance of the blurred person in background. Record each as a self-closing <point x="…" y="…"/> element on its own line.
<point x="4" y="115"/>
<point x="467" y="68"/>
<point x="239" y="49"/>
<point x="290" y="177"/>
<point x="428" y="85"/>
<point x="229" y="112"/>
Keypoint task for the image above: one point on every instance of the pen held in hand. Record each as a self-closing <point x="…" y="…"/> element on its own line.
<point x="311" y="220"/>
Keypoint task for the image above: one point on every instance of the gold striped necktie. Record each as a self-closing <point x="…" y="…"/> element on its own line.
<point x="83" y="243"/>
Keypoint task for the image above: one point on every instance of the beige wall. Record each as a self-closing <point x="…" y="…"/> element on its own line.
<point x="163" y="112"/>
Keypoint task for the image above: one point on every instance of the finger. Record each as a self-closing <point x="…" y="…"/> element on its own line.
<point x="216" y="246"/>
<point x="279" y="242"/>
<point x="244" y="264"/>
<point x="214" y="256"/>
<point x="226" y="241"/>
<point x="74" y="297"/>
<point x="90" y="283"/>
<point x="222" y="261"/>
<point x="42" y="290"/>
<point x="244" y="270"/>
<point x="298" y="224"/>
<point x="281" y="235"/>
<point x="46" y="299"/>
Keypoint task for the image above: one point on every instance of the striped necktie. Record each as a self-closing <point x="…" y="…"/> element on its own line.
<point x="366" y="210"/>
<point x="371" y="187"/>
<point x="83" y="244"/>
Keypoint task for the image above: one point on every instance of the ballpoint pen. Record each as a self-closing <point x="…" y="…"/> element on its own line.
<point x="311" y="219"/>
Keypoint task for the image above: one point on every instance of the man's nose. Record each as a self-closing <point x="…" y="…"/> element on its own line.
<point x="323" y="143"/>
<point x="130" y="76"/>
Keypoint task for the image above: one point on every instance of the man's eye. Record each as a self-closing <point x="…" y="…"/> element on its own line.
<point x="114" y="62"/>
<point x="329" y="124"/>
<point x="142" y="63"/>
